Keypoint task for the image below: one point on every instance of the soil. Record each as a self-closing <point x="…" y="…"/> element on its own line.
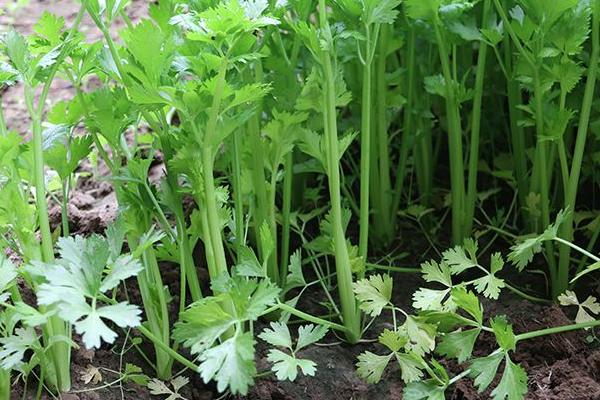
<point x="560" y="367"/>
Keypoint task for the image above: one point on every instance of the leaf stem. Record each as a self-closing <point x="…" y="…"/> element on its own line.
<point x="350" y="311"/>
<point x="558" y="329"/>
<point x="307" y="317"/>
<point x="160" y="344"/>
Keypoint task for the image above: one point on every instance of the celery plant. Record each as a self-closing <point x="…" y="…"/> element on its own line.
<point x="449" y="22"/>
<point x="34" y="72"/>
<point x="580" y="143"/>
<point x="369" y="17"/>
<point x="330" y="97"/>
<point x="109" y="115"/>
<point x="550" y="55"/>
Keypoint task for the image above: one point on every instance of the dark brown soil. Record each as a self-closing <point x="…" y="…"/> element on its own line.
<point x="560" y="367"/>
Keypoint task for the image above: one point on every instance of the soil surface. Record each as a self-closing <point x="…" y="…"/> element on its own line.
<point x="560" y="367"/>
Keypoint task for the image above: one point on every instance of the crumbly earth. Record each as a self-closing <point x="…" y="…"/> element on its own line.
<point x="560" y="367"/>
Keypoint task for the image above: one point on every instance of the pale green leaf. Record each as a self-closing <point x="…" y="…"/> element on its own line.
<point x="374" y="293"/>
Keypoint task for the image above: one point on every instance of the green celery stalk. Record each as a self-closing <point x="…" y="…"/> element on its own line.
<point x="350" y="311"/>
<point x="208" y="174"/>
<point x="476" y="128"/>
<point x="566" y="231"/>
<point x="236" y="171"/>
<point x="365" y="149"/>
<point x="408" y="121"/>
<point x="157" y="315"/>
<point x="455" y="141"/>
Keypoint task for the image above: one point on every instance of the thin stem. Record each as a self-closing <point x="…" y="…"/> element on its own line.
<point x="3" y="128"/>
<point x="4" y="385"/>
<point x="161" y="345"/>
<point x="555" y="330"/>
<point x="475" y="128"/>
<point x="524" y="295"/>
<point x="307" y="317"/>
<point x="288" y="179"/>
<point x="236" y="161"/>
<point x="579" y="249"/>
<point x="408" y="122"/>
<point x="392" y="268"/>
<point x="64" y="213"/>
<point x="60" y="352"/>
<point x="385" y="217"/>
<point x="365" y="152"/>
<point x="455" y="141"/>
<point x="458" y="377"/>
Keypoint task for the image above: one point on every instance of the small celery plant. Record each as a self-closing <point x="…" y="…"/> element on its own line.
<point x="365" y="20"/>
<point x="35" y="63"/>
<point x="230" y="361"/>
<point x="549" y="38"/>
<point x="324" y="91"/>
<point x="449" y="322"/>
<point x="79" y="287"/>
<point x="453" y="23"/>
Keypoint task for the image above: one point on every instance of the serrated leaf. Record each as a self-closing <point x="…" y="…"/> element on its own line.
<point x="50" y="27"/>
<point x="83" y="273"/>
<point x="393" y="340"/>
<point x="286" y="366"/>
<point x="230" y="364"/>
<point x="277" y="335"/>
<point x="590" y="305"/>
<point x="17" y="50"/>
<point x="179" y="381"/>
<point x="374" y="293"/>
<point x="8" y="273"/>
<point x="423" y="390"/>
<point x="421" y="335"/>
<point x="458" y="260"/>
<point x="513" y="385"/>
<point x="267" y="242"/>
<point x="489" y="286"/>
<point x="504" y="333"/>
<point x="434" y="272"/>
<point x="410" y="367"/>
<point x="295" y="277"/>
<point x="381" y="11"/>
<point x="484" y="370"/>
<point x="371" y="366"/>
<point x="467" y="301"/>
<point x="309" y="334"/>
<point x="202" y="324"/>
<point x="248" y="265"/>
<point x="522" y="253"/>
<point x="30" y="316"/>
<point x="429" y="299"/>
<point x="458" y="344"/>
<point x="14" y="347"/>
<point x="124" y="267"/>
<point x="89" y="322"/>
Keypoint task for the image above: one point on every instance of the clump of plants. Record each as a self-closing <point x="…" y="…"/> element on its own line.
<point x="302" y="147"/>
